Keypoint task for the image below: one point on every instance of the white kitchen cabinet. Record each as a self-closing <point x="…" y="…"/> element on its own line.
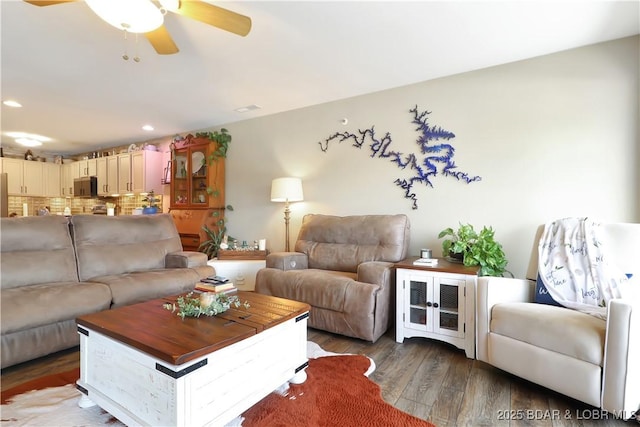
<point x="24" y="177"/>
<point x="436" y="302"/>
<point x="112" y="175"/>
<point x="68" y="172"/>
<point x="87" y="167"/>
<point x="102" y="176"/>
<point x="107" y="174"/>
<point x="52" y="178"/>
<point x="140" y="172"/>
<point x="146" y="171"/>
<point x="124" y="174"/>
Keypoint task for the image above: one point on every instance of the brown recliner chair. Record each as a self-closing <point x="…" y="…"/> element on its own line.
<point x="343" y="268"/>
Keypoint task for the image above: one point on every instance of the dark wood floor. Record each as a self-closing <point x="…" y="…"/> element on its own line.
<point x="426" y="378"/>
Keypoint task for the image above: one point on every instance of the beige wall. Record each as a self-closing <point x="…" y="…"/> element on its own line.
<point x="551" y="137"/>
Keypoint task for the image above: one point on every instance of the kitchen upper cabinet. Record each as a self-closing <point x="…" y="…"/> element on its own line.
<point x="107" y="174"/>
<point x="124" y="174"/>
<point x="68" y="172"/>
<point x="52" y="177"/>
<point x="24" y="178"/>
<point x="87" y="167"/>
<point x="101" y="174"/>
<point x="140" y="172"/>
<point x="146" y="171"/>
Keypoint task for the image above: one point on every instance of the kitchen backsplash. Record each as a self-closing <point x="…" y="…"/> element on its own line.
<point x="78" y="206"/>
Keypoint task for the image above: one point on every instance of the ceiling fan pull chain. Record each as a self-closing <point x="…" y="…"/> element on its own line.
<point x="125" y="56"/>
<point x="136" y="58"/>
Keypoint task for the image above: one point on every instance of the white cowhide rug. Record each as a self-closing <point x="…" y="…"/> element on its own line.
<point x="58" y="406"/>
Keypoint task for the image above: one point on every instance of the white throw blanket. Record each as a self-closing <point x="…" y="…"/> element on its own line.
<point x="573" y="265"/>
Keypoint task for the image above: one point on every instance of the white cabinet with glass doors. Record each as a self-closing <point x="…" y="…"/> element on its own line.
<point x="437" y="303"/>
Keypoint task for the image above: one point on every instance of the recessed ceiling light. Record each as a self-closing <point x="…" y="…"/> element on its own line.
<point x="248" y="108"/>
<point x="28" y="139"/>
<point x="12" y="103"/>
<point x="28" y="135"/>
<point x="28" y="142"/>
<point x="147" y="127"/>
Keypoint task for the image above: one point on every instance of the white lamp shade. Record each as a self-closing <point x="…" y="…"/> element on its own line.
<point x="136" y="16"/>
<point x="286" y="190"/>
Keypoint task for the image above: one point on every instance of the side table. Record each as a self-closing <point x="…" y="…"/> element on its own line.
<point x="242" y="272"/>
<point x="437" y="302"/>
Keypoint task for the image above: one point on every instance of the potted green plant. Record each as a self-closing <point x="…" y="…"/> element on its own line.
<point x="475" y="249"/>
<point x="215" y="236"/>
<point x="151" y="203"/>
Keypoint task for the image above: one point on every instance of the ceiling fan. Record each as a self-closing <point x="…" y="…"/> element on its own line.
<point x="147" y="16"/>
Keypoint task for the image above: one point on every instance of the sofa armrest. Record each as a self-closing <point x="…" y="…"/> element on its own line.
<point x="491" y="291"/>
<point x="185" y="259"/>
<point x="621" y="379"/>
<point x="376" y="272"/>
<point x="287" y="261"/>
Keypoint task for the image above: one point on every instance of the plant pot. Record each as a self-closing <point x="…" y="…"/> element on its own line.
<point x="150" y="210"/>
<point x="456" y="257"/>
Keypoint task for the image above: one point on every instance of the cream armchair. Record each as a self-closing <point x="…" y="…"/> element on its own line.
<point x="586" y="358"/>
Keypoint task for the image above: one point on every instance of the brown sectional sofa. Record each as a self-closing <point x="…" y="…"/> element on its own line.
<point x="53" y="269"/>
<point x="343" y="268"/>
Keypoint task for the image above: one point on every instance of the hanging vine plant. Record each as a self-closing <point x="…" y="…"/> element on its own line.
<point x="222" y="139"/>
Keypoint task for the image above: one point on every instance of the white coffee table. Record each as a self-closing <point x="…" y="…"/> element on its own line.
<point x="146" y="366"/>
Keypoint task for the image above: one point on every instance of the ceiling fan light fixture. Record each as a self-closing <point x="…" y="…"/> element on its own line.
<point x="170" y="5"/>
<point x="134" y="16"/>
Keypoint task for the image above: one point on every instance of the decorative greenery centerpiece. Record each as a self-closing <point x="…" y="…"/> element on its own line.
<point x="208" y="304"/>
<point x="476" y="249"/>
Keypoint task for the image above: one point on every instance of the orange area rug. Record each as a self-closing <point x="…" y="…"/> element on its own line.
<point x="336" y="393"/>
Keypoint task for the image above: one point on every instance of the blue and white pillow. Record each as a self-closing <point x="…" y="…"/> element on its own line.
<point x="542" y="294"/>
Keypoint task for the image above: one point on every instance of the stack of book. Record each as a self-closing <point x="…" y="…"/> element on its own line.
<point x="426" y="262"/>
<point x="216" y="284"/>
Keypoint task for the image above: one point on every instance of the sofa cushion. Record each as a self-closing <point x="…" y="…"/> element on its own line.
<point x="39" y="245"/>
<point x="108" y="246"/>
<point x="342" y="243"/>
<point x="33" y="306"/>
<point x="130" y="288"/>
<point x="558" y="329"/>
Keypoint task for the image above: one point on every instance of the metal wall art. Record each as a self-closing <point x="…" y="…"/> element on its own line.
<point x="434" y="158"/>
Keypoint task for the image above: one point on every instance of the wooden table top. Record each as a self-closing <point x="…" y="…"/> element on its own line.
<point x="151" y="328"/>
<point x="443" y="265"/>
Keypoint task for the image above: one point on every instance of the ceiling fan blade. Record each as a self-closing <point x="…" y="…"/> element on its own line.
<point x="216" y="16"/>
<point x="48" y="2"/>
<point x="161" y="41"/>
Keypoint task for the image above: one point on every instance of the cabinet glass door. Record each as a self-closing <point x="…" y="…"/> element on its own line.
<point x="419" y="312"/>
<point x="449" y="318"/>
<point x="199" y="178"/>
<point x="180" y="174"/>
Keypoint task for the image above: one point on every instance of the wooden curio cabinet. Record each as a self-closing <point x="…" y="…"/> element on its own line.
<point x="197" y="189"/>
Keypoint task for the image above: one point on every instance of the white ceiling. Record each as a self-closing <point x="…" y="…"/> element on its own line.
<point x="65" y="65"/>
